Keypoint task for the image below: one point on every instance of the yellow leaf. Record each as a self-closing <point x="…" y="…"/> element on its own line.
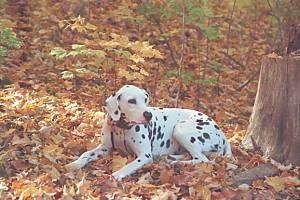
<point x="17" y="140"/>
<point x="126" y="74"/>
<point x="53" y="152"/>
<point x="91" y="27"/>
<point x="203" y="192"/>
<point x="52" y="171"/>
<point x="144" y="72"/>
<point x="136" y="58"/>
<point x="276" y="182"/>
<point x="134" y="67"/>
<point x="118" y="162"/>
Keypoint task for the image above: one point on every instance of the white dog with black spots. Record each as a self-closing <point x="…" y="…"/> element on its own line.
<point x="147" y="132"/>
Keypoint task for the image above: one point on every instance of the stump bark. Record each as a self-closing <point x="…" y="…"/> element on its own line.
<point x="275" y="120"/>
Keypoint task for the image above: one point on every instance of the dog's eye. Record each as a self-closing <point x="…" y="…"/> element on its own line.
<point x="133" y="101"/>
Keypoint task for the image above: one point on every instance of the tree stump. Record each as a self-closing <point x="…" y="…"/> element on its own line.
<point x="275" y="120"/>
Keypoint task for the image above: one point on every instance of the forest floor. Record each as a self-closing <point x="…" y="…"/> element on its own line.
<point x="51" y="109"/>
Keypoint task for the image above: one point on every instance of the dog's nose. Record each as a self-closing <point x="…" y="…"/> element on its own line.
<point x="147" y="115"/>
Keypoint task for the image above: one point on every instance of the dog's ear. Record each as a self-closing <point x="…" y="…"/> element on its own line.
<point x="112" y="106"/>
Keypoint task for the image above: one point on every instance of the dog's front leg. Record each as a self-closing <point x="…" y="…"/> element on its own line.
<point x="103" y="149"/>
<point x="130" y="168"/>
<point x="88" y="156"/>
<point x="141" y="147"/>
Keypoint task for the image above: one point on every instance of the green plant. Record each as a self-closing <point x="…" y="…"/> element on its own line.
<point x="8" y="40"/>
<point x="197" y="13"/>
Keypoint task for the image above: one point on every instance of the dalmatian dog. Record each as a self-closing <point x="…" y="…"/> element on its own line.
<point x="147" y="132"/>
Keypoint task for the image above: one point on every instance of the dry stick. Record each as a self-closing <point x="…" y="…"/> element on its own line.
<point x="234" y="60"/>
<point x="229" y="26"/>
<point x="279" y="29"/>
<point x="248" y="81"/>
<point x="175" y="62"/>
<point x="155" y="84"/>
<point x="173" y="56"/>
<point x="181" y="58"/>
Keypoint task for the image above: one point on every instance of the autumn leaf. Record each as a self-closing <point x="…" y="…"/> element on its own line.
<point x="118" y="162"/>
<point x="136" y="58"/>
<point x="276" y="182"/>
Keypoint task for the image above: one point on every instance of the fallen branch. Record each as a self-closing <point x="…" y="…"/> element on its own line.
<point x="259" y="172"/>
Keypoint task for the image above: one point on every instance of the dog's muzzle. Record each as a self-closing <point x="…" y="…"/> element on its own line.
<point x="147" y="115"/>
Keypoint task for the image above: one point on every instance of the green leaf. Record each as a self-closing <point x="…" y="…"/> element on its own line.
<point x="58" y="52"/>
<point x="67" y="75"/>
<point x="210" y="32"/>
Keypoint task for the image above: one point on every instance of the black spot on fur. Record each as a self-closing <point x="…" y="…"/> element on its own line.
<point x="199" y="127"/>
<point x="148" y="155"/>
<point x="113" y="94"/>
<point x="158" y="136"/>
<point x="145" y="100"/>
<point x="92" y="154"/>
<point x="201" y="139"/>
<point x="192" y="139"/>
<point x="162" y="143"/>
<point x="149" y="134"/>
<point x="223" y="141"/>
<point x="145" y="125"/>
<point x="159" y="129"/>
<point x="161" y="108"/>
<point x="209" y="119"/>
<point x="200" y="114"/>
<point x="143" y="136"/>
<point x="216" y="127"/>
<point x="139" y="160"/>
<point x="165" y="118"/>
<point x="116" y="112"/>
<point x="137" y="128"/>
<point x="119" y="97"/>
<point x="206" y="135"/>
<point x="216" y="146"/>
<point x="154" y="131"/>
<point x="168" y="143"/>
<point x="196" y="158"/>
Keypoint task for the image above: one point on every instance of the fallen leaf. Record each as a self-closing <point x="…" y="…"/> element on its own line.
<point x="118" y="162"/>
<point x="276" y="182"/>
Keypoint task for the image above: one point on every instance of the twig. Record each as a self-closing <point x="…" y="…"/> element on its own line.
<point x="173" y="56"/>
<point x="279" y="34"/>
<point x="248" y="81"/>
<point x="229" y="26"/>
<point x="234" y="60"/>
<point x="181" y="57"/>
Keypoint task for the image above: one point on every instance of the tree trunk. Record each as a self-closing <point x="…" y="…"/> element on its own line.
<point x="275" y="120"/>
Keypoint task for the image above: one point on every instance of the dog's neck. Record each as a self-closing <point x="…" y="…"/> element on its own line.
<point x="121" y="123"/>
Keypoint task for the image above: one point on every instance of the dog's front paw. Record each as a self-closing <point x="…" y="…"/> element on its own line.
<point x="118" y="175"/>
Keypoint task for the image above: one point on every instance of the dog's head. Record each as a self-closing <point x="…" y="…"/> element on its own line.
<point x="130" y="104"/>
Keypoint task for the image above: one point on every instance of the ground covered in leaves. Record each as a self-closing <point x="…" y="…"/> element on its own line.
<point x="50" y="103"/>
